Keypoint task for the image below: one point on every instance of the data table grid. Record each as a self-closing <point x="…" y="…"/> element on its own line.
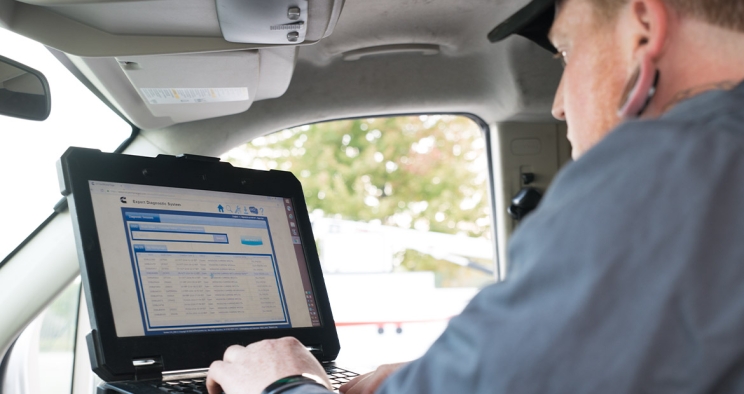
<point x="199" y="289"/>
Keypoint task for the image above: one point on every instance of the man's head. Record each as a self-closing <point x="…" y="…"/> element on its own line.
<point x="594" y="74"/>
<point x="605" y="43"/>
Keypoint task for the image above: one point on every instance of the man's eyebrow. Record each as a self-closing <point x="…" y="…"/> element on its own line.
<point x="554" y="35"/>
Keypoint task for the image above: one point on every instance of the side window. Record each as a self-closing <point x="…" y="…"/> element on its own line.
<point x="41" y="360"/>
<point x="401" y="215"/>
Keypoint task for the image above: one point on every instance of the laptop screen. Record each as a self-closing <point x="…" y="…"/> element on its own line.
<point x="186" y="261"/>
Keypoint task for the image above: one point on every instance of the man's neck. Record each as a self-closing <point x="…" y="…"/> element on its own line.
<point x="699" y="58"/>
<point x="694" y="91"/>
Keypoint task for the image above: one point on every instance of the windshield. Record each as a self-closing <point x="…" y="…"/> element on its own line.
<point x="29" y="150"/>
<point x="400" y="213"/>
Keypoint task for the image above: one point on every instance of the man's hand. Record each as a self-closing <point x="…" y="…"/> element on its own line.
<point x="368" y="383"/>
<point x="248" y="370"/>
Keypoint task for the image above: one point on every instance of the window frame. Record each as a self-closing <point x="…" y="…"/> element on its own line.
<point x="80" y="376"/>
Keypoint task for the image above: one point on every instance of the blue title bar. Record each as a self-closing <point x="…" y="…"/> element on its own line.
<point x="203" y="219"/>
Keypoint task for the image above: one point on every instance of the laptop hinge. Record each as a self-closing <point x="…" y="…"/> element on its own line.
<point x="150" y="368"/>
<point x="189" y="156"/>
<point x="316" y="350"/>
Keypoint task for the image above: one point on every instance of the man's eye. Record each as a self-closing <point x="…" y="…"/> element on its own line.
<point x="561" y="55"/>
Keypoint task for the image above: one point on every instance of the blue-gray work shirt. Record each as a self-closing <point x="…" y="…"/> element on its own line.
<point x="628" y="278"/>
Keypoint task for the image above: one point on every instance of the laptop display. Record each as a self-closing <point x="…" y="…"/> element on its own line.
<point x="183" y="257"/>
<point x="183" y="261"/>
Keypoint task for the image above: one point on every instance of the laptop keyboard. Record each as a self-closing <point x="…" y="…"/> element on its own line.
<point x="193" y="386"/>
<point x="337" y="376"/>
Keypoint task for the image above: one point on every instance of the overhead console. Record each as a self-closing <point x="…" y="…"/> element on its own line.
<point x="162" y="62"/>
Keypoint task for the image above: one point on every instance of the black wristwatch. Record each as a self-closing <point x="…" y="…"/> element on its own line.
<point x="293" y="381"/>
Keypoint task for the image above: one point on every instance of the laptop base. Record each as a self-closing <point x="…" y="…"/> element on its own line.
<point x="337" y="376"/>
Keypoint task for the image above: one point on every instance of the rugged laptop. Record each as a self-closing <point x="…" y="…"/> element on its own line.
<point x="184" y="256"/>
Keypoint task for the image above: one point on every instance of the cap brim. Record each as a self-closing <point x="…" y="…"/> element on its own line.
<point x="532" y="22"/>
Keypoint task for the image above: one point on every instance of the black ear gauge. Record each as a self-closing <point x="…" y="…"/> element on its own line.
<point x="650" y="95"/>
<point x="639" y="91"/>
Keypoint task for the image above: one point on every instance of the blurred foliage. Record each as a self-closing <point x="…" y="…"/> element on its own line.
<point x="424" y="172"/>
<point x="58" y="326"/>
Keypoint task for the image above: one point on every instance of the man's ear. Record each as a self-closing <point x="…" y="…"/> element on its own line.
<point x="648" y="22"/>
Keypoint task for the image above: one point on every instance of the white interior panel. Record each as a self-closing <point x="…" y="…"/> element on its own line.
<point x="36" y="275"/>
<point x="73" y="37"/>
<point x="91" y="28"/>
<point x="518" y="148"/>
<point x="277" y="66"/>
<point x="196" y="18"/>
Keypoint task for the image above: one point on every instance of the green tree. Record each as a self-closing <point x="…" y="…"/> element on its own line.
<point x="423" y="172"/>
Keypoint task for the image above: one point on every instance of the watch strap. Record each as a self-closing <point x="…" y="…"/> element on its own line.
<point x="289" y="382"/>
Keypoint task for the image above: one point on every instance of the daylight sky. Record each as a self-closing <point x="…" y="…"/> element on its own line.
<point x="29" y="149"/>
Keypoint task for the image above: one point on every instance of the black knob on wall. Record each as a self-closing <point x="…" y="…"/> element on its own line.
<point x="524" y="202"/>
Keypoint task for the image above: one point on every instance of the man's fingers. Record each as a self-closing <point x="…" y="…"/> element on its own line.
<point x="250" y="369"/>
<point x="216" y="371"/>
<point x="232" y="353"/>
<point x="353" y="382"/>
<point x="370" y="385"/>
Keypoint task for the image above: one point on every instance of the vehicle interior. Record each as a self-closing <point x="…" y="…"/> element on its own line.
<point x="219" y="78"/>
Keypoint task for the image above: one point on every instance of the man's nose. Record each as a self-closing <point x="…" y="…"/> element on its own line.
<point x="558" y="110"/>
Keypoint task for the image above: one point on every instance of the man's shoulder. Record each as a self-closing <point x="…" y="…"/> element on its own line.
<point x="704" y="133"/>
<point x="653" y="176"/>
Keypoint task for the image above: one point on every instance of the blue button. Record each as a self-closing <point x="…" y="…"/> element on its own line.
<point x="251" y="241"/>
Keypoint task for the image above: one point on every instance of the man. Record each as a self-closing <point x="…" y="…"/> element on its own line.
<point x="629" y="277"/>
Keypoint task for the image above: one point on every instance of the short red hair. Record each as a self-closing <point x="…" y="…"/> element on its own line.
<point x="728" y="14"/>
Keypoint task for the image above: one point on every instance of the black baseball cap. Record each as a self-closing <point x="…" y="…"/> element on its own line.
<point x="533" y="22"/>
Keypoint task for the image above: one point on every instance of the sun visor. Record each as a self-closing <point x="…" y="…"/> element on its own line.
<point x="184" y="88"/>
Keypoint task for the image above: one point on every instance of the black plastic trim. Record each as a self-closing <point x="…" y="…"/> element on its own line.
<point x="44" y="84"/>
<point x="75" y="336"/>
<point x="533" y="22"/>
